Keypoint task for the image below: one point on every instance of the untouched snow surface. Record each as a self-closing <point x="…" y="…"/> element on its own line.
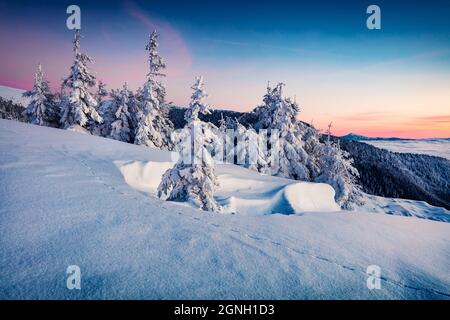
<point x="14" y="94"/>
<point x="432" y="147"/>
<point x="404" y="207"/>
<point x="64" y="201"/>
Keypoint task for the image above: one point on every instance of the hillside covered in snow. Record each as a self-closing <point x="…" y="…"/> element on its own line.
<point x="74" y="199"/>
<point x="13" y="94"/>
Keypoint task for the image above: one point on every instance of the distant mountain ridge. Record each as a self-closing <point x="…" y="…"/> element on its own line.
<point x="357" y="137"/>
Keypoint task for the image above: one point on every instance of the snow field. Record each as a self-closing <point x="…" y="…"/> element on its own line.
<point x="64" y="201"/>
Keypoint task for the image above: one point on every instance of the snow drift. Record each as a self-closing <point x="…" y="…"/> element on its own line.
<point x="242" y="191"/>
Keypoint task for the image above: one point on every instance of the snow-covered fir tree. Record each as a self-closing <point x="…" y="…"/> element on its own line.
<point x="226" y="139"/>
<point x="240" y="148"/>
<point x="103" y="109"/>
<point x="257" y="156"/>
<point x="59" y="99"/>
<point x="313" y="147"/>
<point x="101" y="92"/>
<point x="122" y="125"/>
<point x="251" y="148"/>
<point x="288" y="157"/>
<point x="79" y="108"/>
<point x="222" y="123"/>
<point x="109" y="108"/>
<point x="42" y="109"/>
<point x="107" y="111"/>
<point x="337" y="170"/>
<point x="154" y="127"/>
<point x="152" y="130"/>
<point x="138" y="95"/>
<point x="197" y="105"/>
<point x="134" y="107"/>
<point x="193" y="178"/>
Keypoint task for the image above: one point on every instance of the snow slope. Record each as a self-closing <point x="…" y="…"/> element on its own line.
<point x="404" y="207"/>
<point x="64" y="201"/>
<point x="432" y="147"/>
<point x="14" y="94"/>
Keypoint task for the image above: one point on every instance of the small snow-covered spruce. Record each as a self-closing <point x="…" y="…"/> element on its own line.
<point x="223" y="137"/>
<point x="154" y="127"/>
<point x="104" y="110"/>
<point x="79" y="107"/>
<point x="109" y="108"/>
<point x="193" y="178"/>
<point x="149" y="130"/>
<point x="288" y="157"/>
<point x="42" y="109"/>
<point x="256" y="144"/>
<point x="120" y="128"/>
<point x="241" y="144"/>
<point x="337" y="170"/>
<point x="222" y="123"/>
<point x="313" y="147"/>
<point x="101" y="92"/>
<point x="227" y="135"/>
<point x="134" y="108"/>
<point x="251" y="151"/>
<point x="155" y="62"/>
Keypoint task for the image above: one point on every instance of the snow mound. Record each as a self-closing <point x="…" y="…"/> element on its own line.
<point x="242" y="191"/>
<point x="248" y="192"/>
<point x="143" y="176"/>
<point x="311" y="197"/>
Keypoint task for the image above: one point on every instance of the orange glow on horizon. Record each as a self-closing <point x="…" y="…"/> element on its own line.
<point x="415" y="128"/>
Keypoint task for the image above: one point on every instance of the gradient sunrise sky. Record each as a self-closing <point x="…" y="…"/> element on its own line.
<point x="389" y="82"/>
